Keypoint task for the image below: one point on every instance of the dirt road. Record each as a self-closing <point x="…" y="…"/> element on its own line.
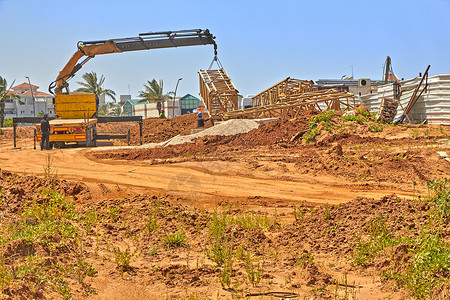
<point x="201" y="184"/>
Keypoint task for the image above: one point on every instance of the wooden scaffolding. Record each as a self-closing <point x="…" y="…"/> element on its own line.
<point x="294" y="104"/>
<point x="217" y="92"/>
<point x="282" y="91"/>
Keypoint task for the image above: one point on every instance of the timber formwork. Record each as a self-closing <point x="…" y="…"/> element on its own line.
<point x="295" y="104"/>
<point x="218" y="92"/>
<point x="282" y="91"/>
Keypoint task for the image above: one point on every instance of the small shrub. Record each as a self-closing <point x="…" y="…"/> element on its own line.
<point x="175" y="240"/>
<point x="323" y="117"/>
<point x="376" y="128"/>
<point x="123" y="258"/>
<point x="358" y="118"/>
<point x="49" y="170"/>
<point x="304" y="258"/>
<point x="298" y="213"/>
<point x="364" y="113"/>
<point x="227" y="272"/>
<point x="220" y="252"/>
<point x="310" y="135"/>
<point x="254" y="271"/>
<point x="113" y="213"/>
<point x="152" y="222"/>
<point x="250" y="220"/>
<point x="8" y="122"/>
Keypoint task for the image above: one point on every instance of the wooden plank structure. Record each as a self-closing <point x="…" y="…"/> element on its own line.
<point x="218" y="92"/>
<point x="282" y="91"/>
<point x="294" y="104"/>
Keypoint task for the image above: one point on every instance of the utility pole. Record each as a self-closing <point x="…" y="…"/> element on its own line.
<point x="32" y="97"/>
<point x="174" y="97"/>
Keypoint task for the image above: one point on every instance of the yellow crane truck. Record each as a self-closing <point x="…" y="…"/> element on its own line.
<point x="76" y="114"/>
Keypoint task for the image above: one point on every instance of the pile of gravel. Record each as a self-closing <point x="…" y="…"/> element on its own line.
<point x="230" y="127"/>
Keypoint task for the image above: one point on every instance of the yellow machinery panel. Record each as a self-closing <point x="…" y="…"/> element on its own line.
<point x="64" y="138"/>
<point x="67" y="130"/>
<point x="78" y="106"/>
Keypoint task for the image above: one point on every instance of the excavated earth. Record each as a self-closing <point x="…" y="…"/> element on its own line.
<point x="295" y="211"/>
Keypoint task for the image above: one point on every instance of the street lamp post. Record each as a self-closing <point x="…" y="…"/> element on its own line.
<point x="32" y="97"/>
<point x="174" y="97"/>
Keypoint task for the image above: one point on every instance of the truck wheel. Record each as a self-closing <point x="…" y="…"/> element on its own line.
<point x="59" y="145"/>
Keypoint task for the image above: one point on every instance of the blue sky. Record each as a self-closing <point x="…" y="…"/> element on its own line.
<point x="259" y="42"/>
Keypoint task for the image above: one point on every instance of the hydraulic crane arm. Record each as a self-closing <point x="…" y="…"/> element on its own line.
<point x="144" y="41"/>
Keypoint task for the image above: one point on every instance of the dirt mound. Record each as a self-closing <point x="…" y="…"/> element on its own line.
<point x="377" y="165"/>
<point x="17" y="190"/>
<point x="155" y="130"/>
<point x="275" y="132"/>
<point x="115" y="127"/>
<point x="271" y="133"/>
<point x="26" y="132"/>
<point x="340" y="222"/>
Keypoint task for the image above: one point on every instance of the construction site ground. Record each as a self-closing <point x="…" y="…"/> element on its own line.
<point x="293" y="212"/>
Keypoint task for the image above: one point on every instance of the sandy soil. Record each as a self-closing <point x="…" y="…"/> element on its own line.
<point x="349" y="172"/>
<point x="206" y="183"/>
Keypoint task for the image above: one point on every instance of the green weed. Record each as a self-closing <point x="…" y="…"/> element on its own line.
<point x="152" y="250"/>
<point x="227" y="272"/>
<point x="357" y="118"/>
<point x="425" y="268"/>
<point x="250" y="220"/>
<point x="322" y="119"/>
<point x="175" y="240"/>
<point x="327" y="215"/>
<point x="113" y="213"/>
<point x="376" y="128"/>
<point x="299" y="213"/>
<point x="123" y="258"/>
<point x="152" y="222"/>
<point x="49" y="170"/>
<point x="310" y="135"/>
<point x="254" y="270"/>
<point x="415" y="133"/>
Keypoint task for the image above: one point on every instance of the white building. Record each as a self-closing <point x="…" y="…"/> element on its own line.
<point x="138" y="107"/>
<point x="31" y="102"/>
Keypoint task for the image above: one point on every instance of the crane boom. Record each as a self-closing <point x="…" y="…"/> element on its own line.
<point x="145" y="41"/>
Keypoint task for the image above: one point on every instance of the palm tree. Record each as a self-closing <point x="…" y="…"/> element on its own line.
<point x="153" y="92"/>
<point x="93" y="85"/>
<point x="3" y="97"/>
<point x="117" y="110"/>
